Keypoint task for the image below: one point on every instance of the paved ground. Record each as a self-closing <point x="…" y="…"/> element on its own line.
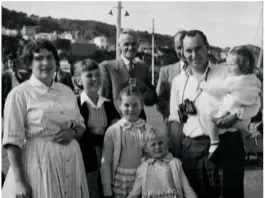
<point x="253" y="174"/>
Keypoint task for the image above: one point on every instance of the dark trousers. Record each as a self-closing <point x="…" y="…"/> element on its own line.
<point x="204" y="176"/>
<point x="230" y="157"/>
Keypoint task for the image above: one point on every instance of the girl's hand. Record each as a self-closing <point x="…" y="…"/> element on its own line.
<point x="22" y="190"/>
<point x="64" y="136"/>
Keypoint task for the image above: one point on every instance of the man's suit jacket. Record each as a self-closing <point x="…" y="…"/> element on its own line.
<point x="115" y="77"/>
<point x="64" y="78"/>
<point x="166" y="76"/>
<point x="7" y="85"/>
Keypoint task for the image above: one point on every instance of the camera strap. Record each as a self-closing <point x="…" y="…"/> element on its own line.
<point x="200" y="90"/>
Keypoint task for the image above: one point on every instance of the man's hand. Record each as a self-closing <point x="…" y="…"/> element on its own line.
<point x="64" y="136"/>
<point x="226" y="121"/>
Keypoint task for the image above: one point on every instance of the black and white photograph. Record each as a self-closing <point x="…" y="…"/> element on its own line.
<point x="130" y="99"/>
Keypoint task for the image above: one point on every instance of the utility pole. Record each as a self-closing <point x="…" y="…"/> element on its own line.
<point x="153" y="52"/>
<point x="260" y="60"/>
<point x="118" y="29"/>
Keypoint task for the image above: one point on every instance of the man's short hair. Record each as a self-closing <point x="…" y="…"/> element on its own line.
<point x="182" y="34"/>
<point x="193" y="33"/>
<point x="131" y="32"/>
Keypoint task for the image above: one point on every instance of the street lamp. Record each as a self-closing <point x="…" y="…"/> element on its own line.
<point x="118" y="27"/>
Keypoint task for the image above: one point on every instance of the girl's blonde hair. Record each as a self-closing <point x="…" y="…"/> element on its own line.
<point x="154" y="133"/>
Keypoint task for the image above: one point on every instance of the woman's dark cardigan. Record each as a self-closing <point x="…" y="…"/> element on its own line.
<point x="88" y="140"/>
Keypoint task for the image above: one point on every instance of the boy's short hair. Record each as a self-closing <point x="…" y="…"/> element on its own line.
<point x="244" y="59"/>
<point x="85" y="65"/>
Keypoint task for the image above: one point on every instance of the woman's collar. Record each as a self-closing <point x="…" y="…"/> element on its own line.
<point x="36" y="83"/>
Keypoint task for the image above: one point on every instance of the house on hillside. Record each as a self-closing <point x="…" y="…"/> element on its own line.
<point x="144" y="44"/>
<point x="216" y="52"/>
<point x="66" y="35"/>
<point x="224" y="52"/>
<point x="10" y="32"/>
<point x="48" y="36"/>
<point x="29" y="31"/>
<point x="100" y="42"/>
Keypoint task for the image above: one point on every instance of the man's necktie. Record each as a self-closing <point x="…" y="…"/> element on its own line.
<point x="131" y="70"/>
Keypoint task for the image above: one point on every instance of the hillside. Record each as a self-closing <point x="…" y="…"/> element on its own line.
<point x="86" y="29"/>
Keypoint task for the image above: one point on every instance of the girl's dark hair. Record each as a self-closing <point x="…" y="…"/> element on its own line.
<point x="85" y="65"/>
<point x="131" y="90"/>
<point x="244" y="59"/>
<point x="34" y="47"/>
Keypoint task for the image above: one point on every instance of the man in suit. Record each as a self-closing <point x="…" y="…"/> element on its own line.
<point x="167" y="73"/>
<point x="116" y="73"/>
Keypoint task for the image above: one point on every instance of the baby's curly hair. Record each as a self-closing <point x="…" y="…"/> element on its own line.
<point x="244" y="59"/>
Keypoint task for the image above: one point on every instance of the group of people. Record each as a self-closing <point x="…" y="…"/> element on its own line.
<point x="97" y="143"/>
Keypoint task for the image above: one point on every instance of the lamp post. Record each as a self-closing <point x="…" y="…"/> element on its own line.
<point x="118" y="26"/>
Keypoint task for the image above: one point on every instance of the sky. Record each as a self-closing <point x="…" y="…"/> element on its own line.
<point x="224" y="23"/>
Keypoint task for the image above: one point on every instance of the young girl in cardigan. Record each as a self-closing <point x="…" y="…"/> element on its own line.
<point x="160" y="174"/>
<point x="98" y="113"/>
<point x="122" y="149"/>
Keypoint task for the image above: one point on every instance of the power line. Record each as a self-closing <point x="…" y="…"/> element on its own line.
<point x="260" y="20"/>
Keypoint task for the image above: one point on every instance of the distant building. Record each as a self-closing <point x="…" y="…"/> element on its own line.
<point x="47" y="36"/>
<point x="224" y="55"/>
<point x="144" y="44"/>
<point x="66" y="35"/>
<point x="29" y="31"/>
<point x="101" y="42"/>
<point x="10" y="32"/>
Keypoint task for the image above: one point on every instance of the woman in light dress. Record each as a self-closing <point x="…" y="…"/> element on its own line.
<point x="42" y="123"/>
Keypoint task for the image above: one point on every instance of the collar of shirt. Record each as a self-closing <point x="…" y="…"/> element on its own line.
<point x="128" y="125"/>
<point x="188" y="71"/>
<point x="182" y="65"/>
<point x="85" y="98"/>
<point x="166" y="159"/>
<point x="42" y="88"/>
<point x="126" y="61"/>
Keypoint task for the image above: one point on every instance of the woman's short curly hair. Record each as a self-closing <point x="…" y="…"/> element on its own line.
<point x="36" y="46"/>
